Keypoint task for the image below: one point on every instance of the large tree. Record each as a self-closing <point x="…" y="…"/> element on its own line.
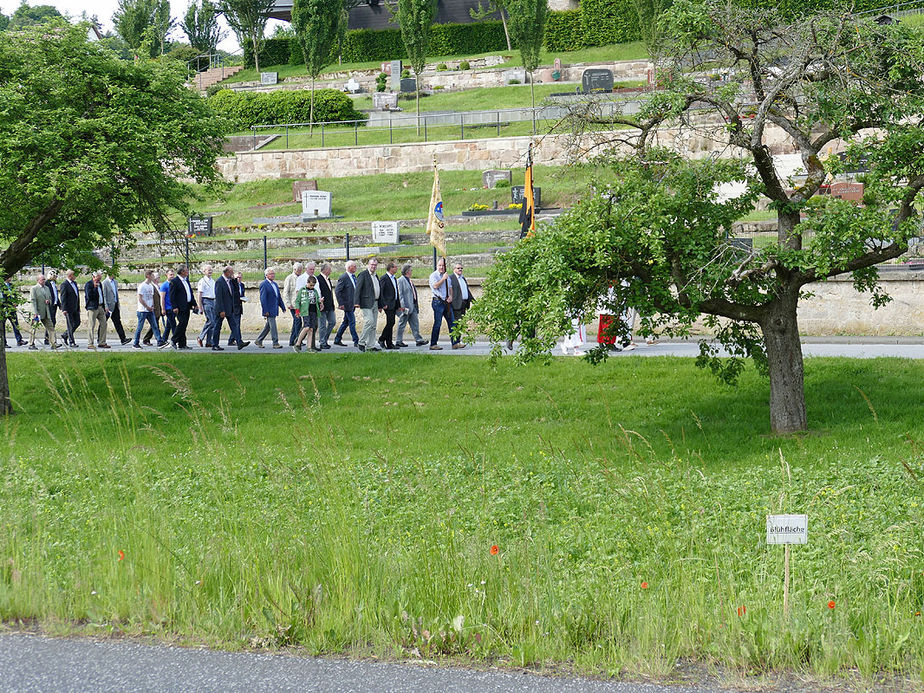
<point x="201" y="26"/>
<point x="316" y="24"/>
<point x="415" y="17"/>
<point x="92" y="146"/>
<point x="247" y="18"/>
<point x="527" y="29"/>
<point x="657" y="230"/>
<point x="143" y="23"/>
<point x="30" y="15"/>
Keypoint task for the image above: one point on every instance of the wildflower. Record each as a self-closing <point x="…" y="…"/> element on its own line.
<point x="742" y="610"/>
<point x="644" y="585"/>
<point x="494" y="549"/>
<point x="831" y="604"/>
<point x="121" y="555"/>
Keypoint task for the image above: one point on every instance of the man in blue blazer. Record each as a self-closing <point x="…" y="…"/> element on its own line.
<point x="270" y="304"/>
<point x="345" y="294"/>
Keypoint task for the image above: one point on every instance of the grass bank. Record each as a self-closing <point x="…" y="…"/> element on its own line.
<point x="351" y="504"/>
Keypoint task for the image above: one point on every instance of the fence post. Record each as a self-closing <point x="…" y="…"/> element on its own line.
<point x="462" y="124"/>
<point x="434" y="258"/>
<point x="390" y="139"/>
<point x="187" y="250"/>
<point x="287" y="144"/>
<point x="322" y="134"/>
<point x="498" y="123"/>
<point x="425" y="128"/>
<point x="254" y="129"/>
<point x="534" y="121"/>
<point x="355" y="133"/>
<point x="264" y="253"/>
<point x="348" y="247"/>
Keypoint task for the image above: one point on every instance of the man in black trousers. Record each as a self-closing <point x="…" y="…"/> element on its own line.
<point x="182" y="302"/>
<point x="69" y="295"/>
<point x="388" y="301"/>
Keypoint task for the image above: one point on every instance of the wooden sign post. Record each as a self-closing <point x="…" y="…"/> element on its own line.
<point x="787" y="530"/>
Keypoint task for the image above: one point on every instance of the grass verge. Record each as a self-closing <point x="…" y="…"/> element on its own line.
<point x="350" y="503"/>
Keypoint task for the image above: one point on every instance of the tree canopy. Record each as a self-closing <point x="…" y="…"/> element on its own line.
<point x="316" y="24"/>
<point x="247" y="18"/>
<point x="201" y="26"/>
<point x="415" y="17"/>
<point x="31" y="15"/>
<point x="657" y="230"/>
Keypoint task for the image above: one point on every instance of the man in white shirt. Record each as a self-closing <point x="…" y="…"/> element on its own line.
<point x="145" y="313"/>
<point x="441" y="304"/>
<point x="290" y="289"/>
<point x="206" y="290"/>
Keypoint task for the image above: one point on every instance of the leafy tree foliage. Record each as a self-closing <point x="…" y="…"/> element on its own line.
<point x="316" y="24"/>
<point x="30" y="15"/>
<point x="247" y="18"/>
<point x="4" y="21"/>
<point x="493" y="7"/>
<point x="527" y="30"/>
<point x="657" y="230"/>
<point x="93" y="146"/>
<point x="415" y="17"/>
<point x="201" y="26"/>
<point x="143" y="23"/>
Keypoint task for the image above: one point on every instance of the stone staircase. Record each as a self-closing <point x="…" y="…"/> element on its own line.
<point x="203" y="80"/>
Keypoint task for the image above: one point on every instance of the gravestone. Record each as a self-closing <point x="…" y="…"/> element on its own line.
<point x="268" y="79"/>
<point x="516" y="195"/>
<point x="489" y="179"/>
<point x="199" y="226"/>
<point x="315" y="204"/>
<point x="352" y="86"/>
<point x="408" y="85"/>
<point x="514" y="76"/>
<point x="395" y="73"/>
<point x="384" y="101"/>
<point x="384" y="231"/>
<point x="596" y="80"/>
<point x="556" y="64"/>
<point x="299" y="186"/>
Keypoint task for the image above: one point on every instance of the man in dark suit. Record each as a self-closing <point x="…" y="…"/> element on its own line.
<point x="461" y="297"/>
<point x="389" y="302"/>
<point x="327" y="318"/>
<point x="345" y="294"/>
<point x="368" y="292"/>
<point x="227" y="300"/>
<point x="70" y="305"/>
<point x="97" y="311"/>
<point x="182" y="302"/>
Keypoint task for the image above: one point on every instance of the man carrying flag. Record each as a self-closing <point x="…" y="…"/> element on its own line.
<point x="528" y="211"/>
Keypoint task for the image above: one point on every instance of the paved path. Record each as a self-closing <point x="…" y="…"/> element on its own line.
<point x="852" y="347"/>
<point x="32" y="663"/>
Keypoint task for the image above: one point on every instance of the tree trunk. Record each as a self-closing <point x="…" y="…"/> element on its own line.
<point x="256" y="57"/>
<point x="503" y="15"/>
<point x="780" y="328"/>
<point x="417" y="88"/>
<point x="6" y="406"/>
<point x="311" y="110"/>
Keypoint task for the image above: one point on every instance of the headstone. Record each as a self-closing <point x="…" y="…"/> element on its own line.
<point x="352" y="86"/>
<point x="386" y="68"/>
<point x="315" y="204"/>
<point x="514" y="76"/>
<point x="408" y="85"/>
<point x="199" y="226"/>
<point x="595" y="80"/>
<point x="489" y="179"/>
<point x="516" y="195"/>
<point x="395" y="73"/>
<point x="299" y="186"/>
<point x="268" y="79"/>
<point x="384" y="101"/>
<point x="384" y="231"/>
<point x="556" y="64"/>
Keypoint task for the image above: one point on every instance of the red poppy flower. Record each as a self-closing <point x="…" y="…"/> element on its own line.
<point x="831" y="604"/>
<point x="121" y="554"/>
<point x="644" y="585"/>
<point x="494" y="549"/>
<point x="742" y="610"/>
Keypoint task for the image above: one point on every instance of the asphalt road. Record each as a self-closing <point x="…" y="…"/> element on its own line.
<point x="30" y="663"/>
<point x="852" y="347"/>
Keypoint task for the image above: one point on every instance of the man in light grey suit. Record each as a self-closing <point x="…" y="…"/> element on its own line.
<point x="111" y="296"/>
<point x="409" y="310"/>
<point x="41" y="309"/>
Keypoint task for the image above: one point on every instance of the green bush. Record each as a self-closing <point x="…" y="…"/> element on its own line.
<point x="275" y="51"/>
<point x="608" y="21"/>
<point x="245" y="109"/>
<point x="381" y="81"/>
<point x="441" y="67"/>
<point x="464" y="65"/>
<point x="564" y="31"/>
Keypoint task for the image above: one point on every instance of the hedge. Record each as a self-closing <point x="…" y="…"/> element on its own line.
<point x="366" y="45"/>
<point x="608" y="21"/>
<point x="563" y="31"/>
<point x="277" y="107"/>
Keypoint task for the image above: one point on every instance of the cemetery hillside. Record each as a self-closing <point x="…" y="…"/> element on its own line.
<point x="715" y="206"/>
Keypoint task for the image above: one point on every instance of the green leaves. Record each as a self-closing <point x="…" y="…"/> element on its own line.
<point x="316" y="23"/>
<point x="415" y="18"/>
<point x="527" y="28"/>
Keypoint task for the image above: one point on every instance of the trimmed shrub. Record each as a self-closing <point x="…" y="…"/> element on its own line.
<point x="441" y="67"/>
<point x="608" y="21"/>
<point x="564" y="31"/>
<point x="381" y="81"/>
<point x="275" y="51"/>
<point x="279" y="107"/>
<point x="362" y="45"/>
<point x="464" y="65"/>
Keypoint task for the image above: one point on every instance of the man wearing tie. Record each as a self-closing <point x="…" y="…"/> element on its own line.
<point x="388" y="301"/>
<point x="182" y="302"/>
<point x="461" y="297"/>
<point x="328" y="317"/>
<point x="345" y="294"/>
<point x="227" y="298"/>
<point x="441" y="304"/>
<point x="368" y="293"/>
<point x="41" y="308"/>
<point x="409" y="310"/>
<point x="97" y="311"/>
<point x="271" y="304"/>
<point x="52" y="285"/>
<point x="111" y="292"/>
<point x="70" y="306"/>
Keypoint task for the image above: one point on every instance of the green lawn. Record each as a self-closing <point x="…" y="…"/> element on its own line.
<point x="621" y="51"/>
<point x="348" y="504"/>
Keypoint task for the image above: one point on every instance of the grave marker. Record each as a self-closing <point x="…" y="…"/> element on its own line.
<point x="595" y="80"/>
<point x="516" y="195"/>
<point x="490" y="179"/>
<point x="395" y="73"/>
<point x="315" y="204"/>
<point x="199" y="226"/>
<point x="300" y="186"/>
<point x="408" y="85"/>
<point x="385" y="231"/>
<point x="268" y="79"/>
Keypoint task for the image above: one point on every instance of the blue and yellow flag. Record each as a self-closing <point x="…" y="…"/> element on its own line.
<point x="436" y="224"/>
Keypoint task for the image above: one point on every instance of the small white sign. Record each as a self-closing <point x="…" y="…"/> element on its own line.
<point x="268" y="79"/>
<point x="787" y="529"/>
<point x="315" y="204"/>
<point x="384" y="231"/>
